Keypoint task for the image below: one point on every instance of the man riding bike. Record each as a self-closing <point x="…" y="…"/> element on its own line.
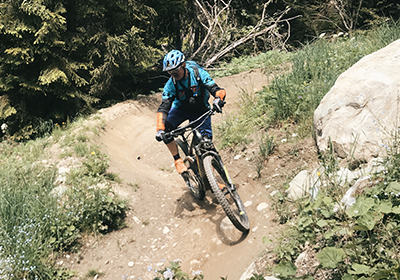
<point x="185" y="97"/>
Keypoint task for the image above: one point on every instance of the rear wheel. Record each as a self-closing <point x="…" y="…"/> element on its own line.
<point x="191" y="178"/>
<point x="229" y="199"/>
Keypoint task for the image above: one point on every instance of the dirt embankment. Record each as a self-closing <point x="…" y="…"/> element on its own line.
<point x="164" y="222"/>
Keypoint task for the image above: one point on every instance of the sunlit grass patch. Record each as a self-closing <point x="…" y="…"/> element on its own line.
<point x="41" y="214"/>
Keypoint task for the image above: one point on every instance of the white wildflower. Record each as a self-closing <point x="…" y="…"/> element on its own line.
<point x="168" y="274"/>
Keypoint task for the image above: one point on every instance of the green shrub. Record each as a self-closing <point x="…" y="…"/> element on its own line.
<point x="39" y="219"/>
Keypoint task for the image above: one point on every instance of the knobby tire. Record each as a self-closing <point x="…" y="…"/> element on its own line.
<point x="191" y="178"/>
<point x="234" y="210"/>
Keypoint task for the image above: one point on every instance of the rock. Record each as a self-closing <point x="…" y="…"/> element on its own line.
<point x="348" y="198"/>
<point x="363" y="103"/>
<point x="197" y="231"/>
<point x="301" y="185"/>
<point x="249" y="272"/>
<point x="252" y="270"/>
<point x="165" y="230"/>
<point x="248" y="203"/>
<point x="262" y="206"/>
<point x="131" y="264"/>
<point x="273" y="192"/>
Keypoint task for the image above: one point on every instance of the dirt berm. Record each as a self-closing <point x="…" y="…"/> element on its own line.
<point x="164" y="222"/>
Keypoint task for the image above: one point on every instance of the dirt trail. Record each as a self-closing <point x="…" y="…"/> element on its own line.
<point x="164" y="222"/>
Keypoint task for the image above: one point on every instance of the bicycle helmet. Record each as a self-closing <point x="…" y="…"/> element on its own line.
<point x="172" y="60"/>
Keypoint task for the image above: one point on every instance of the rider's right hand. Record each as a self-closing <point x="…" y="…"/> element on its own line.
<point x="160" y="135"/>
<point x="218" y="104"/>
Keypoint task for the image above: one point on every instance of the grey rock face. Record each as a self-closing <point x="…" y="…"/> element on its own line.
<point x="360" y="114"/>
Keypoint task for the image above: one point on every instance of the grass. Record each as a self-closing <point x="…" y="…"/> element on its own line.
<point x="40" y="218"/>
<point x="271" y="62"/>
<point x="315" y="68"/>
<point x="358" y="242"/>
<point x="294" y="95"/>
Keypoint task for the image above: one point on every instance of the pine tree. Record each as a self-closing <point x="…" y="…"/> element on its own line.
<point x="61" y="57"/>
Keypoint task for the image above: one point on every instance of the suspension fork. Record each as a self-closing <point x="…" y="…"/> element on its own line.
<point x="231" y="186"/>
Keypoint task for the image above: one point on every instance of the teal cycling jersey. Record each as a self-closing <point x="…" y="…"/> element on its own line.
<point x="190" y="94"/>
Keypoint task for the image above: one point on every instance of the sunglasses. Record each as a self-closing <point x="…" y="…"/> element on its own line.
<point x="174" y="71"/>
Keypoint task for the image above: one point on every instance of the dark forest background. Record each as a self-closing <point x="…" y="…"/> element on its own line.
<point x="60" y="59"/>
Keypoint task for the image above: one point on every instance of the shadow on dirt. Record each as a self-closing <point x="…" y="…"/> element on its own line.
<point x="226" y="231"/>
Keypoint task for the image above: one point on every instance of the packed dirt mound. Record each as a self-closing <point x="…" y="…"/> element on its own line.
<point x="164" y="222"/>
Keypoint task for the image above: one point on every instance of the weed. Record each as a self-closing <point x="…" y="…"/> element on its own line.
<point x="93" y="273"/>
<point x="134" y="186"/>
<point x="266" y="147"/>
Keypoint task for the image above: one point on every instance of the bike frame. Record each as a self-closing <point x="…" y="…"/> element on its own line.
<point x="207" y="169"/>
<point x="200" y="147"/>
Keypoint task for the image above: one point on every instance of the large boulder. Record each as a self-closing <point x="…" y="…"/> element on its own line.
<point x="360" y="114"/>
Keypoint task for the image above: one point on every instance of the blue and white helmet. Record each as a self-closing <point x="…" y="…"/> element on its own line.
<point x="173" y="59"/>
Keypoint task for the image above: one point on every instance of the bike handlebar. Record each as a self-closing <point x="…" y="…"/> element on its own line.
<point x="181" y="130"/>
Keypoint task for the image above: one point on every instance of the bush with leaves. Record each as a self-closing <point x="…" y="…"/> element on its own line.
<point x="354" y="242"/>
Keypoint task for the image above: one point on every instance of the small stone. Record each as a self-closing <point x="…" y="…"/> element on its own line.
<point x="136" y="220"/>
<point x="237" y="157"/>
<point x="197" y="231"/>
<point x="262" y="206"/>
<point x="248" y="203"/>
<point x="130" y="264"/>
<point x="274" y="192"/>
<point x="165" y="230"/>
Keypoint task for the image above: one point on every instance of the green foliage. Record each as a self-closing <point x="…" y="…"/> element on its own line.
<point x="329" y="257"/>
<point x="61" y="59"/>
<point x="39" y="217"/>
<point x="315" y="68"/>
<point x="270" y="62"/>
<point x="238" y="127"/>
<point x="357" y="242"/>
<point x="174" y="271"/>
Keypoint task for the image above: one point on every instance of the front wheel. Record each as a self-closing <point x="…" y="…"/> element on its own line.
<point x="225" y="193"/>
<point x="191" y="178"/>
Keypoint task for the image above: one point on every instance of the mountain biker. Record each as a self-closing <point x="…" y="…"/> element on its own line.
<point x="185" y="97"/>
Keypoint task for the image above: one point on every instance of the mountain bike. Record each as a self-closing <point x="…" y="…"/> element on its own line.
<point x="206" y="171"/>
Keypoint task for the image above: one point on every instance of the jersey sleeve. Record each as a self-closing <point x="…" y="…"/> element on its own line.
<point x="211" y="85"/>
<point x="168" y="97"/>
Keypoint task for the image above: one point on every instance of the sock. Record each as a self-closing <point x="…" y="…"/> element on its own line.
<point x="176" y="157"/>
